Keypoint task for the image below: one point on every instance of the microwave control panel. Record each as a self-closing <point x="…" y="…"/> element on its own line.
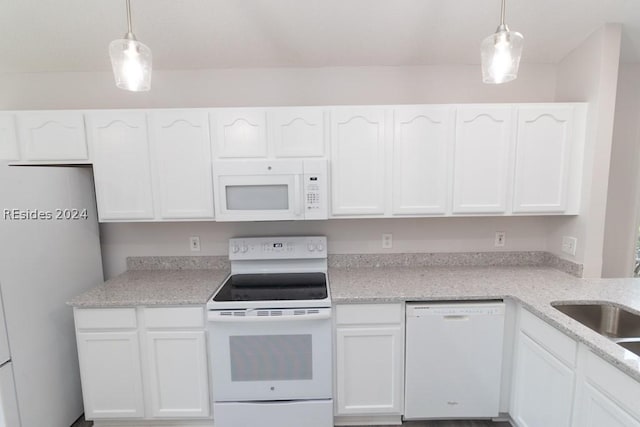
<point x="315" y="191"/>
<point x="314" y="203"/>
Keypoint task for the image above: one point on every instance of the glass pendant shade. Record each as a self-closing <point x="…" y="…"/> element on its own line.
<point x="131" y="62"/>
<point x="501" y="53"/>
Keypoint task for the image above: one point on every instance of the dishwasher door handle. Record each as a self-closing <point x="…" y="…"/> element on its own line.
<point x="455" y="317"/>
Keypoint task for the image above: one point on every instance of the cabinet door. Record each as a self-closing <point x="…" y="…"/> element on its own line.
<point x="53" y="135"/>
<point x="121" y="165"/>
<point x="357" y="161"/>
<point x="182" y="163"/>
<point x="179" y="379"/>
<point x="596" y="410"/>
<point x="239" y="133"/>
<point x="481" y="159"/>
<point x="543" y="387"/>
<point x="421" y="144"/>
<point x="369" y="370"/>
<point x="110" y="373"/>
<point x="8" y="139"/>
<point x="543" y="150"/>
<point x="298" y="132"/>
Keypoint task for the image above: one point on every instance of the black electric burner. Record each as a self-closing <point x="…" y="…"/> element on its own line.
<point x="273" y="287"/>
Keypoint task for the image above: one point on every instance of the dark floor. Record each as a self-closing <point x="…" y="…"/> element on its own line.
<point x="467" y="423"/>
<point x="82" y="423"/>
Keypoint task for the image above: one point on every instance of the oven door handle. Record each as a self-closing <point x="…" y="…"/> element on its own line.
<point x="211" y="317"/>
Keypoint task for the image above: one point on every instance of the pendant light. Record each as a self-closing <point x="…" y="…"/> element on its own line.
<point x="501" y="53"/>
<point x="131" y="60"/>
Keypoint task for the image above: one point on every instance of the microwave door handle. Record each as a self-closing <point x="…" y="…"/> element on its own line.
<point x="298" y="196"/>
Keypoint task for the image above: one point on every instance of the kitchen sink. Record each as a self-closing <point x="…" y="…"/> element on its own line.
<point x="609" y="320"/>
<point x="632" y="346"/>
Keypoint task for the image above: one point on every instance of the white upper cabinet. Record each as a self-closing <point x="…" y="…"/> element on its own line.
<point x="543" y="158"/>
<point x="8" y="138"/>
<point x="121" y="165"/>
<point x="239" y="132"/>
<point x="423" y="138"/>
<point x="181" y="156"/>
<point x="357" y="161"/>
<point x="57" y="136"/>
<point x="298" y="132"/>
<point x="481" y="159"/>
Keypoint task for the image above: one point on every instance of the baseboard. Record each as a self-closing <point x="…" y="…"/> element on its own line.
<point x="152" y="423"/>
<point x="505" y="418"/>
<point x="377" y="420"/>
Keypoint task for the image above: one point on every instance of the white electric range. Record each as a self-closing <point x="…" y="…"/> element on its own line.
<point x="270" y="335"/>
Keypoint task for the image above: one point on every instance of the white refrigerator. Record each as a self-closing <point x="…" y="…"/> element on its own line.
<point x="49" y="253"/>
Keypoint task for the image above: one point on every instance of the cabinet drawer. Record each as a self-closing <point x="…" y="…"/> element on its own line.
<point x="368" y="314"/>
<point x="105" y="318"/>
<point x="174" y="317"/>
<point x="616" y="384"/>
<point x="554" y="341"/>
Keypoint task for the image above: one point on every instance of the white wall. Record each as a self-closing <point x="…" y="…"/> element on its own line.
<point x="322" y="86"/>
<point x="276" y="87"/>
<point x="589" y="73"/>
<point x="344" y="236"/>
<point x="623" y="195"/>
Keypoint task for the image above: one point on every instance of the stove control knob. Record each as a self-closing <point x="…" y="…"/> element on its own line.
<point x="320" y="247"/>
<point x="235" y="249"/>
<point x="244" y="249"/>
<point x="311" y="247"/>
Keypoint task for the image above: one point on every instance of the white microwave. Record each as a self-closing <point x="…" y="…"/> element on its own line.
<point x="270" y="190"/>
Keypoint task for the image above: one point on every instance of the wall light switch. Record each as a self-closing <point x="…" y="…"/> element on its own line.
<point x="500" y="238"/>
<point x="194" y="243"/>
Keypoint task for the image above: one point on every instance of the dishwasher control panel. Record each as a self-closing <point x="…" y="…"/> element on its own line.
<point x="457" y="309"/>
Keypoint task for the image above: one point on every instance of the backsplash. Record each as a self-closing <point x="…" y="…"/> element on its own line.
<point x="455" y="259"/>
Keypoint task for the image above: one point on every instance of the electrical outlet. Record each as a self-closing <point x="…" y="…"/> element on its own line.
<point x="194" y="243"/>
<point x="387" y="241"/>
<point x="569" y="245"/>
<point x="500" y="238"/>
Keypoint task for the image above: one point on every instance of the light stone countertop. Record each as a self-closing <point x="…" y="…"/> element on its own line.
<point x="154" y="287"/>
<point x="534" y="287"/>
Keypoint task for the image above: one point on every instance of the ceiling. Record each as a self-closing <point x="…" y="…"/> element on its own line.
<point x="73" y="35"/>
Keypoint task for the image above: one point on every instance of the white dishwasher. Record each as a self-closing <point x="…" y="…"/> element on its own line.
<point x="453" y="360"/>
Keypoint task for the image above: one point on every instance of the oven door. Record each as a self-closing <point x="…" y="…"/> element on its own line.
<point x="258" y="190"/>
<point x="271" y="354"/>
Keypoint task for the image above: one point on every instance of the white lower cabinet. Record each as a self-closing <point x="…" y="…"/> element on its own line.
<point x="543" y="389"/>
<point x="178" y="374"/>
<point x="369" y="364"/>
<point x="605" y="396"/>
<point x="597" y="410"/>
<point x="145" y="363"/>
<point x="544" y="375"/>
<point x="111" y="375"/>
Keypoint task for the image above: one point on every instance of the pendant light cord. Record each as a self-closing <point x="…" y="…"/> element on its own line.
<point x="501" y="13"/>
<point x="129" y="27"/>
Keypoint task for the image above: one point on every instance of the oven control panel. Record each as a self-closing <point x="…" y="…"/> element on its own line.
<point x="298" y="247"/>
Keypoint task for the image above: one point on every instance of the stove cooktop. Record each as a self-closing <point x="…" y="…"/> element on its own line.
<point x="275" y="272"/>
<point x="273" y="287"/>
